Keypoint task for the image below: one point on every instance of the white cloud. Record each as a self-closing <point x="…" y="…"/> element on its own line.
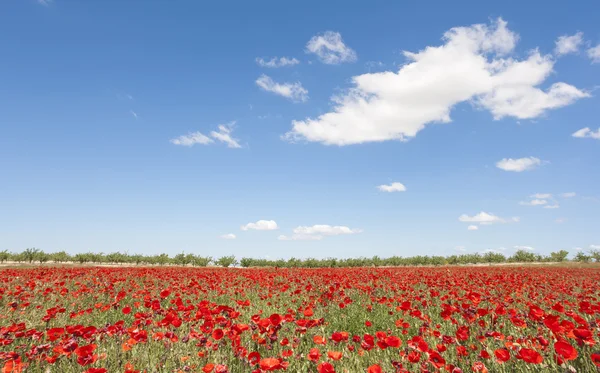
<point x="317" y="232"/>
<point x="595" y="247"/>
<point x="325" y="230"/>
<point x="494" y="251"/>
<point x="528" y="248"/>
<point x="534" y="202"/>
<point x="277" y="62"/>
<point x="330" y="48"/>
<point x="393" y="187"/>
<point x="518" y="165"/>
<point x="45" y="2"/>
<point x="587" y="132"/>
<point x="293" y="91"/>
<point x="554" y="206"/>
<point x="460" y="248"/>
<point x="224" y="135"/>
<point x="578" y="249"/>
<point x="594" y="54"/>
<point x="568" y="195"/>
<point x="261" y="225"/>
<point x="470" y="66"/>
<point x="134" y="114"/>
<point x="541" y="195"/>
<point x="191" y="139"/>
<point x="484" y="218"/>
<point x="472" y="227"/>
<point x="229" y="236"/>
<point x="568" y="44"/>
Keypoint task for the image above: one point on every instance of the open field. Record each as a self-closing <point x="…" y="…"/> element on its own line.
<point x="175" y="319"/>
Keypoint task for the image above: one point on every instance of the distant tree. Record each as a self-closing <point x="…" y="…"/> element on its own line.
<point x="522" y="256"/>
<point x="595" y="254"/>
<point x="582" y="257"/>
<point x="226" y="261"/>
<point x="558" y="256"/>
<point x="60" y="257"/>
<point x="4" y="256"/>
<point x="30" y="254"/>
<point x="201" y="261"/>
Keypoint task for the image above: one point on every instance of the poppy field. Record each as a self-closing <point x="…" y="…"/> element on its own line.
<point x="178" y="319"/>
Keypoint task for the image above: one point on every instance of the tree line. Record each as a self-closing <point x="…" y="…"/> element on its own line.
<point x="33" y="255"/>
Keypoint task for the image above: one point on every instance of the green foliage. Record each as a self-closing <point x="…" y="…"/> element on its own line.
<point x="522" y="256"/>
<point x="226" y="261"/>
<point x="558" y="256"/>
<point x="582" y="257"/>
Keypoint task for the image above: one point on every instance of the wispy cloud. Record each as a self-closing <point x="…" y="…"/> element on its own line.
<point x="276" y="62"/>
<point x="568" y="44"/>
<point x="330" y="48"/>
<point x="485" y="218"/>
<point x="229" y="236"/>
<point x="222" y="135"/>
<point x="393" y="187"/>
<point x="134" y="114"/>
<point x="317" y="232"/>
<point x="45" y="2"/>
<point x="587" y="133"/>
<point x="292" y="91"/>
<point x="261" y="225"/>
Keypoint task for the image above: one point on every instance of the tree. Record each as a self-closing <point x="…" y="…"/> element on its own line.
<point x="595" y="254"/>
<point x="60" y="257"/>
<point x="558" y="256"/>
<point x="522" y="256"/>
<point x="226" y="261"/>
<point x="581" y="257"/>
<point x="4" y="255"/>
<point x="30" y="254"/>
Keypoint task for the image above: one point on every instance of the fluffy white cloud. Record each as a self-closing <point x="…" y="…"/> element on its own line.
<point x="224" y="135"/>
<point x="528" y="248"/>
<point x="317" y="232"/>
<point x="472" y="227"/>
<point x="292" y="91"/>
<point x="594" y="54"/>
<point x="393" y="187"/>
<point x="568" y="44"/>
<point x="330" y="48"/>
<point x="229" y="236"/>
<point x="519" y="164"/>
<point x="554" y="206"/>
<point x="471" y="66"/>
<point x="261" y="225"/>
<point x="277" y="62"/>
<point x="568" y="195"/>
<point x="587" y="132"/>
<point x="484" y="218"/>
<point x="191" y="139"/>
<point x="534" y="202"/>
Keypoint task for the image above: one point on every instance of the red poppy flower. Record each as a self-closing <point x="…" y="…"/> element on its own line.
<point x="565" y="350"/>
<point x="374" y="369"/>
<point x="334" y="355"/>
<point x="325" y="367"/>
<point x="502" y="354"/>
<point x="270" y="364"/>
<point x="529" y="356"/>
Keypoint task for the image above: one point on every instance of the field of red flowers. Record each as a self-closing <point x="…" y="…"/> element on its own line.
<point x="169" y="319"/>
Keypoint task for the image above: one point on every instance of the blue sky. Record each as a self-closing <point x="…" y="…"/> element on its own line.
<point x="303" y="129"/>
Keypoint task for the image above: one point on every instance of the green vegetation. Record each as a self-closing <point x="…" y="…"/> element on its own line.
<point x="34" y="255"/>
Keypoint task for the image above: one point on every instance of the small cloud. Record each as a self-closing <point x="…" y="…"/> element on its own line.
<point x="134" y="114"/>
<point x="595" y="247"/>
<point x="277" y="62"/>
<point x="228" y="236"/>
<point x="568" y="195"/>
<point x="528" y="248"/>
<point x="482" y="218"/>
<point x="587" y="133"/>
<point x="578" y="249"/>
<point x="519" y="165"/>
<point x="568" y="44"/>
<point x="261" y="225"/>
<point x="318" y="232"/>
<point x="292" y="91"/>
<point x="534" y="202"/>
<point x="541" y="195"/>
<point x="472" y="227"/>
<point x="45" y="2"/>
<point x="460" y="248"/>
<point x="554" y="206"/>
<point x="330" y="48"/>
<point x="192" y="139"/>
<point x="594" y="54"/>
<point x="560" y="220"/>
<point x="393" y="187"/>
<point x="224" y="135"/>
